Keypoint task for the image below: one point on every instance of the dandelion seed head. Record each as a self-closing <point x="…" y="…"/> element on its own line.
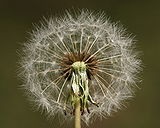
<point x="104" y="48"/>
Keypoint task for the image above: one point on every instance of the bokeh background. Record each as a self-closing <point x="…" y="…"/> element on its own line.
<point x="140" y="17"/>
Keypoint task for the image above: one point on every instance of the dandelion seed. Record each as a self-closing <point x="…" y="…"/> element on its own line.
<point x="83" y="57"/>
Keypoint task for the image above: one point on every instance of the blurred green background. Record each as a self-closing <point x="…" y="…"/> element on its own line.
<point x="141" y="17"/>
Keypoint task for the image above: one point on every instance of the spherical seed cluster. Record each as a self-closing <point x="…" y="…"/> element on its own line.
<point x="107" y="51"/>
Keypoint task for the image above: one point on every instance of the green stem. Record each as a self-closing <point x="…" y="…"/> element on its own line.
<point x="77" y="114"/>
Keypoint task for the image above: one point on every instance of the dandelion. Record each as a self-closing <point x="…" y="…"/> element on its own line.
<point x="80" y="66"/>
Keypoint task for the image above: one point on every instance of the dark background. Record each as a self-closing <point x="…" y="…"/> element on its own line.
<point x="141" y="17"/>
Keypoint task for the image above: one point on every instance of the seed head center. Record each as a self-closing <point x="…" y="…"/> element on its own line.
<point x="79" y="66"/>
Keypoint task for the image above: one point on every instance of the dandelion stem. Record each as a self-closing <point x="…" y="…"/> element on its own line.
<point x="77" y="114"/>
